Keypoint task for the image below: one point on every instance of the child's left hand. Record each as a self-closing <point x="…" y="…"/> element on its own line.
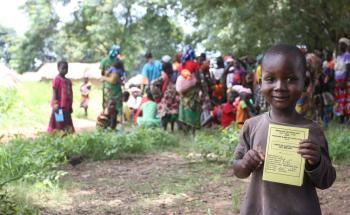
<point x="310" y="151"/>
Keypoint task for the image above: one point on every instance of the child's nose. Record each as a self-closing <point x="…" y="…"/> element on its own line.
<point x="280" y="85"/>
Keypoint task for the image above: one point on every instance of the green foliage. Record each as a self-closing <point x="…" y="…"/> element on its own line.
<point x="219" y="142"/>
<point x="36" y="43"/>
<point x="338" y="142"/>
<point x="95" y="26"/>
<point x="37" y="160"/>
<point x="7" y="37"/>
<point x="7" y="100"/>
<point x="10" y="206"/>
<point x="249" y="27"/>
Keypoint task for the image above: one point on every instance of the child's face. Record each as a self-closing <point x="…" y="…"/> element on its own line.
<point x="282" y="83"/>
<point x="63" y="68"/>
<point x="111" y="107"/>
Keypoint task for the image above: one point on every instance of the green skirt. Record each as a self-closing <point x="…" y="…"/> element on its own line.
<point x="189" y="117"/>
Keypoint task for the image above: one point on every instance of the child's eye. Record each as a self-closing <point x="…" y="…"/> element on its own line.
<point x="269" y="79"/>
<point x="292" y="79"/>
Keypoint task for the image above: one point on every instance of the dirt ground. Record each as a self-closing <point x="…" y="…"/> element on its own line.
<point x="164" y="183"/>
<point x="169" y="184"/>
<point x="30" y="132"/>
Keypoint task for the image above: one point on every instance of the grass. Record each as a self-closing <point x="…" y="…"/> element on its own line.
<point x="40" y="159"/>
<point x="31" y="108"/>
<point x="338" y="142"/>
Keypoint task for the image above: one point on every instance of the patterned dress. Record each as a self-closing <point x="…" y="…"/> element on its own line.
<point x="342" y="86"/>
<point x="169" y="104"/>
<point x="190" y="101"/>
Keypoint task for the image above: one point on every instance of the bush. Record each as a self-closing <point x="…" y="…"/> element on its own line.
<point x="338" y="142"/>
<point x="38" y="159"/>
<point x="7" y="99"/>
<point x="221" y="143"/>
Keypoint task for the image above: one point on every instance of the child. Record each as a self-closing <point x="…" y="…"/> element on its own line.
<point x="104" y="120"/>
<point x="217" y="95"/>
<point x="244" y="107"/>
<point x="84" y="91"/>
<point x="283" y="78"/>
<point x="149" y="112"/>
<point x="126" y="109"/>
<point x="62" y="99"/>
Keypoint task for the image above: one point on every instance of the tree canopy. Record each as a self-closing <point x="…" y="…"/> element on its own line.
<point x="232" y="26"/>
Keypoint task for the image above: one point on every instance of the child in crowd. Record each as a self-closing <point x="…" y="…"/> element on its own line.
<point x="85" y="89"/>
<point x="283" y="79"/>
<point x="148" y="116"/>
<point x="217" y="95"/>
<point x="244" y="107"/>
<point x="126" y="110"/>
<point x="224" y="114"/>
<point x="61" y="101"/>
<point x="104" y="120"/>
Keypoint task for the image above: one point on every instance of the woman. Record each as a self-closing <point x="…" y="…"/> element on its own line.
<point x="106" y="63"/>
<point x="113" y="89"/>
<point x="342" y="82"/>
<point x="169" y="104"/>
<point x="190" y="101"/>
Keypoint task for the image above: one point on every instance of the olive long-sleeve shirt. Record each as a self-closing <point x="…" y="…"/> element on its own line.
<point x="263" y="197"/>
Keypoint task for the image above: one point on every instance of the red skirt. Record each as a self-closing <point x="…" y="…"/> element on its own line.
<point x="66" y="125"/>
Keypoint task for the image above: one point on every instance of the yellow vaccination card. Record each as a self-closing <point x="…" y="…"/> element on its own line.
<point x="282" y="162"/>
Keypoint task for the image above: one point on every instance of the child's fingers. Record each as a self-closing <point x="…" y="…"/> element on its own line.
<point x="308" y="152"/>
<point x="261" y="155"/>
<point x="254" y="157"/>
<point x="308" y="145"/>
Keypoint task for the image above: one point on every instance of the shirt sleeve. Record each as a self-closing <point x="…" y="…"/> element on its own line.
<point x="243" y="146"/>
<point x="56" y="83"/>
<point x="324" y="174"/>
<point x="145" y="71"/>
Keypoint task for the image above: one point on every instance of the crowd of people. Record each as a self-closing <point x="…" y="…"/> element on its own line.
<point x="287" y="86"/>
<point x="193" y="91"/>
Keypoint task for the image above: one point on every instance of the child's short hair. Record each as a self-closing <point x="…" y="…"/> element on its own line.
<point x="148" y="55"/>
<point x="118" y="64"/>
<point x="61" y="62"/>
<point x="168" y="68"/>
<point x="149" y="94"/>
<point x="298" y="58"/>
<point x="126" y="96"/>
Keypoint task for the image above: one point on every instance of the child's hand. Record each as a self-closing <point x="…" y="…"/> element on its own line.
<point x="252" y="160"/>
<point x="56" y="108"/>
<point x="310" y="151"/>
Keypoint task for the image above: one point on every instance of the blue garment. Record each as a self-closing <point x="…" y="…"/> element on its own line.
<point x="120" y="72"/>
<point x="152" y="70"/>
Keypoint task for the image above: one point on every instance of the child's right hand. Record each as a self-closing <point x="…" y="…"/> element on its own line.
<point x="56" y="108"/>
<point x="252" y="160"/>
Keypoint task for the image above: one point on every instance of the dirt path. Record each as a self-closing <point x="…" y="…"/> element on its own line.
<point x="169" y="184"/>
<point x="80" y="125"/>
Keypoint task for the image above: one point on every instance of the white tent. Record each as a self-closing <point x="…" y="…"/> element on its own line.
<point x="8" y="77"/>
<point x="75" y="70"/>
<point x="136" y="80"/>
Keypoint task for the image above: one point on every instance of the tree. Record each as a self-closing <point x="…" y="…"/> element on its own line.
<point x="7" y="37"/>
<point x="251" y="26"/>
<point x="36" y="42"/>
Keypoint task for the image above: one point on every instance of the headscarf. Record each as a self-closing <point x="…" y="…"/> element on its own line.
<point x="166" y="59"/>
<point x="114" y="51"/>
<point x="344" y="40"/>
<point x="188" y="54"/>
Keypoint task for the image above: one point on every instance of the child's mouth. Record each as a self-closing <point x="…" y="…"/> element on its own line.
<point x="280" y="98"/>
